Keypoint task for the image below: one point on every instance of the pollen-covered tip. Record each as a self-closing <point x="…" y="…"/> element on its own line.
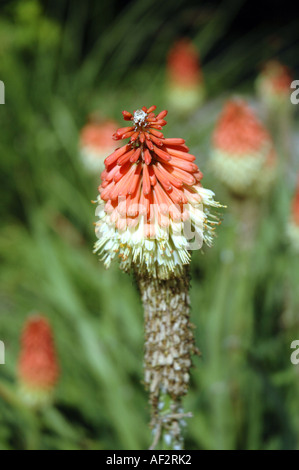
<point x="143" y="206"/>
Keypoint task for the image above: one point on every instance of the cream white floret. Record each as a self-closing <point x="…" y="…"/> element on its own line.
<point x="168" y="250"/>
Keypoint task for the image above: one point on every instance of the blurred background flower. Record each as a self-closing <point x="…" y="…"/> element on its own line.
<point x="240" y="149"/>
<point x="96" y="143"/>
<point x="38" y="367"/>
<point x="184" y="87"/>
<point x="273" y="86"/>
<point x="60" y="61"/>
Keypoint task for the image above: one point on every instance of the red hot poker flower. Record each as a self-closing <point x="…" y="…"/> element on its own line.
<point x="145" y="187"/>
<point x="279" y="77"/>
<point x="183" y="64"/>
<point x="184" y="87"/>
<point x="242" y="149"/>
<point x="239" y="132"/>
<point x="38" y="368"/>
<point x="95" y="142"/>
<point x="274" y="85"/>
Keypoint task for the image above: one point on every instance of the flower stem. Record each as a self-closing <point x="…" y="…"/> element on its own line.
<point x="169" y="345"/>
<point x="247" y="212"/>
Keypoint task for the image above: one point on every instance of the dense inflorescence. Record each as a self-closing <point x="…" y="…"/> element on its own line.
<point x="150" y="195"/>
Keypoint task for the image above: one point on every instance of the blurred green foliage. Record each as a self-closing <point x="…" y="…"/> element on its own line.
<point x="58" y="63"/>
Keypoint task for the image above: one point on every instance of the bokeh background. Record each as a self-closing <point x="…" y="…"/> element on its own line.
<point x="60" y="61"/>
